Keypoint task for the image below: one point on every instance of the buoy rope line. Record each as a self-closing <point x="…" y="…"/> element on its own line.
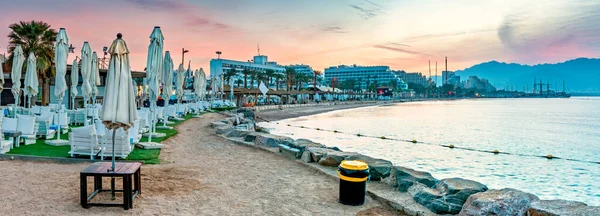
<point x="451" y="146"/>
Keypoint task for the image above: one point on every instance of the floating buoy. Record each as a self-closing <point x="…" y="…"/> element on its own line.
<point x="302" y="126"/>
<point x="414" y="141"/>
<point x="496" y="151"/>
<point x="358" y="135"/>
<point x="318" y="128"/>
<point x="382" y="137"/>
<point x="289" y="125"/>
<point x="451" y="146"/>
<point x="335" y="131"/>
<point x="549" y="156"/>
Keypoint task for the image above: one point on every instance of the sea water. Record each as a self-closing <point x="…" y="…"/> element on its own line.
<point x="525" y="129"/>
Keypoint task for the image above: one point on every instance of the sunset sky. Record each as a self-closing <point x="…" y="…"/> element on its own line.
<point x="399" y="33"/>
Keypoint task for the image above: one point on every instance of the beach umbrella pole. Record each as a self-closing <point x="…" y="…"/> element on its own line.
<point x="112" y="168"/>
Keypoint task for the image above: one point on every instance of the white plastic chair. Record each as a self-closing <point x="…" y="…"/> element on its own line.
<point x="64" y="122"/>
<point x="26" y="125"/>
<point x="43" y="129"/>
<point x="84" y="141"/>
<point x="122" y="146"/>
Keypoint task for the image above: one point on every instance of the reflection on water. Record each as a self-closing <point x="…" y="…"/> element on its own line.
<point x="567" y="128"/>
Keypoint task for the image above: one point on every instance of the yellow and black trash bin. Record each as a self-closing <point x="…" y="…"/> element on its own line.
<point x="353" y="182"/>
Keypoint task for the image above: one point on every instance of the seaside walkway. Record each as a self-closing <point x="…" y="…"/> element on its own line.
<point x="200" y="174"/>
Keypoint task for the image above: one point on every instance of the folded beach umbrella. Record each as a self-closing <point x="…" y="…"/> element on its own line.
<point x="119" y="109"/>
<point x="94" y="80"/>
<point x="17" y="71"/>
<point x="74" y="82"/>
<point x="203" y="84"/>
<point x="179" y="82"/>
<point x="31" y="81"/>
<point x="61" y="52"/>
<point x="86" y="70"/>
<point x="167" y="77"/>
<point x="154" y="65"/>
<point x="94" y="76"/>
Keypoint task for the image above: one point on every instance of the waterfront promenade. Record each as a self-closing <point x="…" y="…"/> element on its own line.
<point x="200" y="174"/>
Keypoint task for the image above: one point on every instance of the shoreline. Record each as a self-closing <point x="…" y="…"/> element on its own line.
<point x="538" y="205"/>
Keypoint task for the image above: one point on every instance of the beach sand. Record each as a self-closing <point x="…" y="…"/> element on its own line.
<point x="275" y="115"/>
<point x="201" y="174"/>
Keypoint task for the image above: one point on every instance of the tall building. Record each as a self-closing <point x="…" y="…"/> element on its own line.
<point x="364" y="75"/>
<point x="259" y="63"/>
<point x="449" y="77"/>
<point x="413" y="77"/>
<point x="302" y="69"/>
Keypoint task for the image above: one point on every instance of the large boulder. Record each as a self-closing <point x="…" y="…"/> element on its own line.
<point x="316" y="153"/>
<point x="238" y="133"/>
<point x="334" y="158"/>
<point x="224" y="130"/>
<point x="302" y="144"/>
<point x="506" y="201"/>
<point x="248" y="113"/>
<point x="305" y="157"/>
<point x="292" y="153"/>
<point x="561" y="207"/>
<point x="270" y="140"/>
<point x="448" y="196"/>
<point x="406" y="177"/>
<point x="378" y="168"/>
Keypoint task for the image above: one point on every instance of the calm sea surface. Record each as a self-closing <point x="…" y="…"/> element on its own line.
<point x="566" y="128"/>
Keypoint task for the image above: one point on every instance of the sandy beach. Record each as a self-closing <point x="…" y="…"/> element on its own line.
<point x="274" y="115"/>
<point x="200" y="174"/>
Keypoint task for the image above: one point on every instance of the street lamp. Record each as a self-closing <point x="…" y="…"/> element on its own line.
<point x="218" y="54"/>
<point x="183" y="52"/>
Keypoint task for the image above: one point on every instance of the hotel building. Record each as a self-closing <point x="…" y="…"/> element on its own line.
<point x="382" y="75"/>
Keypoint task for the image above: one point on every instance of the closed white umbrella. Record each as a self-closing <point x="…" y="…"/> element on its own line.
<point x="15" y="74"/>
<point x="167" y="77"/>
<point x="94" y="79"/>
<point x="2" y="60"/>
<point x="74" y="82"/>
<point x="31" y="81"/>
<point x="86" y="70"/>
<point x="118" y="110"/>
<point x="154" y="72"/>
<point x="179" y="82"/>
<point x="61" y="52"/>
<point x="203" y="84"/>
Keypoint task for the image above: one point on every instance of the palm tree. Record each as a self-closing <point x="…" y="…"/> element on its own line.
<point x="239" y="82"/>
<point x="253" y="74"/>
<point x="316" y="74"/>
<point x="278" y="77"/>
<point x="230" y="73"/>
<point x="290" y="73"/>
<point x="269" y="73"/>
<point x="39" y="38"/>
<point x="246" y="72"/>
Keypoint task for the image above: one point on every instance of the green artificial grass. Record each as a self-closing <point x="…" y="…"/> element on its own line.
<point x="149" y="156"/>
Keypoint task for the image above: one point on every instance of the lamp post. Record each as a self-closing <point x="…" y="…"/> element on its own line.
<point x="218" y="54"/>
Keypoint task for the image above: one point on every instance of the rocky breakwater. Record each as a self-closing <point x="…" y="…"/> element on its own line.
<point x="445" y="196"/>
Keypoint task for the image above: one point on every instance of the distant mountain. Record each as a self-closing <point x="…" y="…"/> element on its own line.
<point x="581" y="75"/>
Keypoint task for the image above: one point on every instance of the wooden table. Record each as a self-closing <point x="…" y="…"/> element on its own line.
<point x="15" y="136"/>
<point x="98" y="170"/>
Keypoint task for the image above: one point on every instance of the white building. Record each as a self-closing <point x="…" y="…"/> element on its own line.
<point x="259" y="63"/>
<point x="302" y="69"/>
<point x="364" y="75"/>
